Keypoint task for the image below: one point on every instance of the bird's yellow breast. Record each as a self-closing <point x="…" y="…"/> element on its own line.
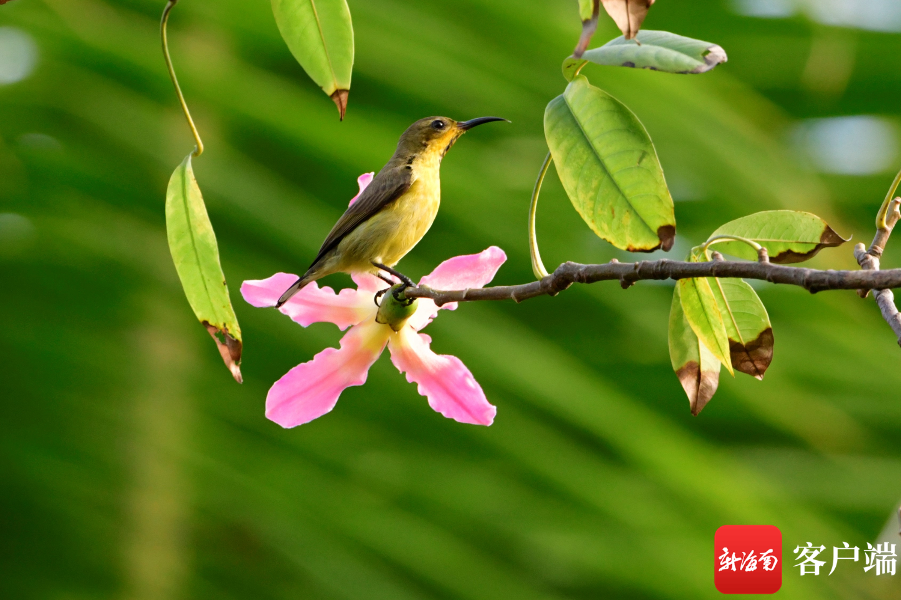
<point x="391" y="233"/>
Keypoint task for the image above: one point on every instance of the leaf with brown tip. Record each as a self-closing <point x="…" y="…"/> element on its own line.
<point x="195" y="253"/>
<point x="790" y="236"/>
<point x="747" y="326"/>
<point x="696" y="367"/>
<point x="609" y="168"/>
<point x="320" y="35"/>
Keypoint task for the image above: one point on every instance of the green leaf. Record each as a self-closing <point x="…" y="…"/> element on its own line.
<point x="789" y="236"/>
<point x="609" y="168"/>
<point x="747" y="326"/>
<point x="696" y="367"/>
<point x="320" y="35"/>
<point x="703" y="314"/>
<point x="658" y="51"/>
<point x="192" y="243"/>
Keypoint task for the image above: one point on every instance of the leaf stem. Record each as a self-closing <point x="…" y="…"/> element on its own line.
<point x="730" y="238"/>
<point x="578" y="70"/>
<point x="883" y="210"/>
<point x="198" y="147"/>
<point x="537" y="266"/>
<point x="588" y="28"/>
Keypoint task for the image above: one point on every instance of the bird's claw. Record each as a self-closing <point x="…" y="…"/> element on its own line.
<point x="378" y="295"/>
<point x="396" y="294"/>
<point x="399" y="294"/>
<point x="398" y="291"/>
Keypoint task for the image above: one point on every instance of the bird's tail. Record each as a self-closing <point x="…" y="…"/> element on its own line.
<point x="295" y="287"/>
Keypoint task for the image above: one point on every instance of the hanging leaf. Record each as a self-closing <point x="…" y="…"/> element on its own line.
<point x="658" y="51"/>
<point x="588" y="12"/>
<point x="789" y="236"/>
<point x="320" y="35"/>
<point x="192" y="243"/>
<point x="703" y="314"/>
<point x="609" y="168"/>
<point x="628" y="14"/>
<point x="696" y="367"/>
<point x="747" y="325"/>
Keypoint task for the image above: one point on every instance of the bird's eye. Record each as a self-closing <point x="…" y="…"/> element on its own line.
<point x="438" y="124"/>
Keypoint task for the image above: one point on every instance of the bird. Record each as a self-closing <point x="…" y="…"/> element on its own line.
<point x="395" y="210"/>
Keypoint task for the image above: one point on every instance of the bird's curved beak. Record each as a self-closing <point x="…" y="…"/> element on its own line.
<point x="466" y="125"/>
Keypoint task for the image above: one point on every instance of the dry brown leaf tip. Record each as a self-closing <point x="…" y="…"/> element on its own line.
<point x="628" y="14"/>
<point x="340" y="100"/>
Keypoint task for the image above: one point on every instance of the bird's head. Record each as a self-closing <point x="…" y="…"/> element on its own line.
<point x="436" y="134"/>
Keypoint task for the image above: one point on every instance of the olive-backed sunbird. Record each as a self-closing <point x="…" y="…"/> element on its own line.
<point x="395" y="210"/>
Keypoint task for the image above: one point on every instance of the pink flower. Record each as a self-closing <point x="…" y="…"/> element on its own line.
<point x="363" y="181"/>
<point x="311" y="389"/>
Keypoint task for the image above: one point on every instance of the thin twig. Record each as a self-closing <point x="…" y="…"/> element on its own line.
<point x="813" y="280"/>
<point x="869" y="260"/>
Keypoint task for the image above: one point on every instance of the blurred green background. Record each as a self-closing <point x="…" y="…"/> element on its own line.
<point x="133" y="466"/>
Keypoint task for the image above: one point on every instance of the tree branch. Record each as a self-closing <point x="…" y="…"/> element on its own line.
<point x="813" y="280"/>
<point x="869" y="261"/>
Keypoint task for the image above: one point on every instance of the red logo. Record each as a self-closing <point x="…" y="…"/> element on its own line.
<point x="747" y="559"/>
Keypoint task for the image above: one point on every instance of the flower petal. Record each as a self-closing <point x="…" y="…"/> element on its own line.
<point x="367" y="282"/>
<point x="469" y="271"/>
<point x="363" y="181"/>
<point x="458" y="273"/>
<point x="311" y="390"/>
<point x="426" y="311"/>
<point x="444" y="380"/>
<point x="312" y="304"/>
<point x="266" y="292"/>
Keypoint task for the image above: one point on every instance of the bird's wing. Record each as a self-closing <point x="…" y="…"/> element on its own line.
<point x="385" y="188"/>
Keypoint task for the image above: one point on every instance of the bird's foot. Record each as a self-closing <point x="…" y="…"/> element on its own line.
<point x="406" y="282"/>
<point x="403" y="278"/>
<point x="385" y="278"/>
<point x="381" y="293"/>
